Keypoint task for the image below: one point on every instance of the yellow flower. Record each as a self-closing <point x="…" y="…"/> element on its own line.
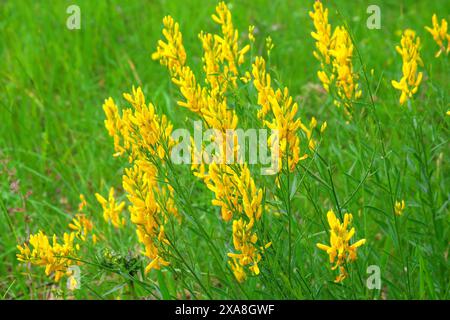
<point x="138" y="130"/>
<point x="325" y="79"/>
<point x="236" y="193"/>
<point x="309" y="131"/>
<point x="148" y="211"/>
<point x="340" y="250"/>
<point x="440" y="35"/>
<point x="411" y="78"/>
<point x="269" y="45"/>
<point x="335" y="53"/>
<point x="399" y="207"/>
<point x="146" y="136"/>
<point x="171" y="53"/>
<point x="113" y="124"/>
<point x="249" y="254"/>
<point x="251" y="33"/>
<point x="322" y="35"/>
<point x="237" y="269"/>
<point x="234" y="189"/>
<point x="111" y="209"/>
<point x="342" y="53"/>
<point x="55" y="257"/>
<point x="279" y="104"/>
<point x="323" y="127"/>
<point x="82" y="226"/>
<point x="82" y="203"/>
<point x="228" y="42"/>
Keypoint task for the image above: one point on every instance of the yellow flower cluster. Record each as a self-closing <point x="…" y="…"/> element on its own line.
<point x="335" y="53"/>
<point x="340" y="250"/>
<point x="269" y="45"/>
<point x="440" y="35"/>
<point x="138" y="130"/>
<point x="251" y="33"/>
<point x="234" y="188"/>
<point x="342" y="52"/>
<point x="221" y="59"/>
<point x="111" y="209"/>
<point x="235" y="191"/>
<point x="411" y="78"/>
<point x="399" y="207"/>
<point x="283" y="112"/>
<point x="244" y="241"/>
<point x="322" y="35"/>
<point x="172" y="53"/>
<point x="58" y="257"/>
<point x="55" y="257"/>
<point x="227" y="44"/>
<point x="147" y="212"/>
<point x="81" y="224"/>
<point x="146" y="137"/>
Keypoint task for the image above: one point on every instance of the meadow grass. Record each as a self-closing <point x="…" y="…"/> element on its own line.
<point x="53" y="147"/>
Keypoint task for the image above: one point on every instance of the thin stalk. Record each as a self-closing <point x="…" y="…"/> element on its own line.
<point x="384" y="156"/>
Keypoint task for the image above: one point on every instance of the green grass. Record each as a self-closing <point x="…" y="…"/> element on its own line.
<point x="53" y="146"/>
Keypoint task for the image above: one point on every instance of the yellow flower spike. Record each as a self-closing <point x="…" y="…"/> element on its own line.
<point x="54" y="256"/>
<point x="244" y="241"/>
<point x="113" y="124"/>
<point x="228" y="41"/>
<point x="345" y="78"/>
<point x="340" y="251"/>
<point x="342" y="275"/>
<point x="238" y="270"/>
<point x="269" y="45"/>
<point x="146" y="210"/>
<point x="251" y="33"/>
<point x="325" y="79"/>
<point x="82" y="203"/>
<point x="234" y="189"/>
<point x="323" y="127"/>
<point x="82" y="226"/>
<point x="399" y="207"/>
<point x="440" y="35"/>
<point x="171" y="53"/>
<point x="411" y="78"/>
<point x="322" y="35"/>
<point x="111" y="209"/>
<point x="280" y="105"/>
<point x="262" y="83"/>
<point x="335" y="53"/>
<point x="313" y="123"/>
<point x="246" y="78"/>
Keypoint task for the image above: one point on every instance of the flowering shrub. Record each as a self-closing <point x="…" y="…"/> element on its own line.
<point x="252" y="229"/>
